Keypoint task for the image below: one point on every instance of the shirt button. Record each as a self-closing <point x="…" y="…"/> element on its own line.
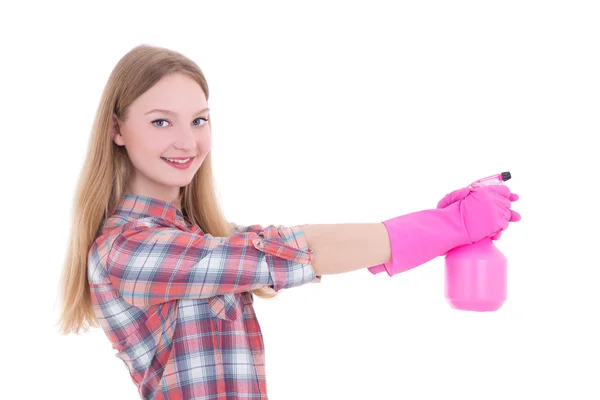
<point x="259" y="243"/>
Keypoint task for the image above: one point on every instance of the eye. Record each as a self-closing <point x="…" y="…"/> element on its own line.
<point x="159" y="120"/>
<point x="196" y="122"/>
<point x="203" y="119"/>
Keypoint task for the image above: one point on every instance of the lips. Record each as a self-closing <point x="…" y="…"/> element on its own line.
<point x="179" y="165"/>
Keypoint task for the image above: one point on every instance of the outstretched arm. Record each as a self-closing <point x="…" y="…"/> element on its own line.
<point x="339" y="248"/>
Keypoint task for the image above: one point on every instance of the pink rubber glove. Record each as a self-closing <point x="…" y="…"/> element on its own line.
<point x="421" y="236"/>
<point x="462" y="193"/>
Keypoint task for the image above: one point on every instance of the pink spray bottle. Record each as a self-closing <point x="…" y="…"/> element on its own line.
<point x="476" y="273"/>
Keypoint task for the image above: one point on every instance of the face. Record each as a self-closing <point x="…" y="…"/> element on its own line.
<point x="177" y="133"/>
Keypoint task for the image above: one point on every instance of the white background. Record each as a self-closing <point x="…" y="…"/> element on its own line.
<point x="332" y="112"/>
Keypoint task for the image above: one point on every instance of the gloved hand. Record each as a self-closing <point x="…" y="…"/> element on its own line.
<point x="465" y="217"/>
<point x="462" y="193"/>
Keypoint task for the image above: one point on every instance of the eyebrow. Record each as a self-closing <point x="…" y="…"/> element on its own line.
<point x="172" y="112"/>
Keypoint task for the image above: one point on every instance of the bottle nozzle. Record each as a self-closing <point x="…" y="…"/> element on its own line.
<point x="505" y="176"/>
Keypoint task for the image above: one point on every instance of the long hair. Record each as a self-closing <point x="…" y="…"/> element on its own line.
<point x="106" y="172"/>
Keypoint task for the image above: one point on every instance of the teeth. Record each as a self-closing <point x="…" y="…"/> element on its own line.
<point x="178" y="161"/>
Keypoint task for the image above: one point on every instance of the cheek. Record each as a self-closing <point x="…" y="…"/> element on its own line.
<point x="148" y="147"/>
<point x="144" y="143"/>
<point x="204" y="142"/>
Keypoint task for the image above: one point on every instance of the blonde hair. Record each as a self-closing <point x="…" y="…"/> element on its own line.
<point x="106" y="171"/>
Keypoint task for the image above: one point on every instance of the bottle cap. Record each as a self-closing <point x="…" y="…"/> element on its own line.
<point x="506" y="176"/>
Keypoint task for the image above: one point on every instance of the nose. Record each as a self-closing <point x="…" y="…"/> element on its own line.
<point x="185" y="139"/>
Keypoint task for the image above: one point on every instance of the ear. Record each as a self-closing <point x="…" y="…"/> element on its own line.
<point x="115" y="131"/>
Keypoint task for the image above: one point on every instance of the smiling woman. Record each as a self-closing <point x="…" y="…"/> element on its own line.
<point x="151" y="258"/>
<point x="153" y="261"/>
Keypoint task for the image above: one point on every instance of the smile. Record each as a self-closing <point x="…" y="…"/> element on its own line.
<point x="179" y="164"/>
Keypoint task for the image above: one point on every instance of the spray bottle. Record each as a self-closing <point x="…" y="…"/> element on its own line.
<point x="476" y="273"/>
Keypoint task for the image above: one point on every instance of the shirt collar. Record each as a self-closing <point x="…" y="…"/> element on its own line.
<point x="143" y="206"/>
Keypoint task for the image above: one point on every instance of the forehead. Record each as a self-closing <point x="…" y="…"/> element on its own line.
<point x="175" y="92"/>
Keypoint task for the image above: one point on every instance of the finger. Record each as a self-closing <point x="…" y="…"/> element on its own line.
<point x="443" y="203"/>
<point x="503" y="202"/>
<point x="501" y="189"/>
<point x="453" y="197"/>
<point x="515" y="216"/>
<point x="497" y="235"/>
<point x="457" y="195"/>
<point x="507" y="214"/>
<point x="513" y="197"/>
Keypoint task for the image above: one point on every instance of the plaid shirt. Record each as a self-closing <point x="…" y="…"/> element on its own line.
<point x="176" y="303"/>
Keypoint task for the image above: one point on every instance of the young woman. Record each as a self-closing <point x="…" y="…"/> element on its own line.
<point x="153" y="261"/>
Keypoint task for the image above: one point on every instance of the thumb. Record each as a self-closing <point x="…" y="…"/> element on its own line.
<point x="453" y="197"/>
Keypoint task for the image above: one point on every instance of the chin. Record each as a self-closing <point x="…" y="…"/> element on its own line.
<point x="180" y="183"/>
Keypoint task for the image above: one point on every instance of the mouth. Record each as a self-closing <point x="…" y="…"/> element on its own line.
<point x="179" y="163"/>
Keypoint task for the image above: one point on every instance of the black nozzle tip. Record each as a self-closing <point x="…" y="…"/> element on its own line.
<point x="506" y="176"/>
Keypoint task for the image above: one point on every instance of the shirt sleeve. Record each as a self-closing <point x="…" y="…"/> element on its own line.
<point x="297" y="230"/>
<point x="152" y="265"/>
